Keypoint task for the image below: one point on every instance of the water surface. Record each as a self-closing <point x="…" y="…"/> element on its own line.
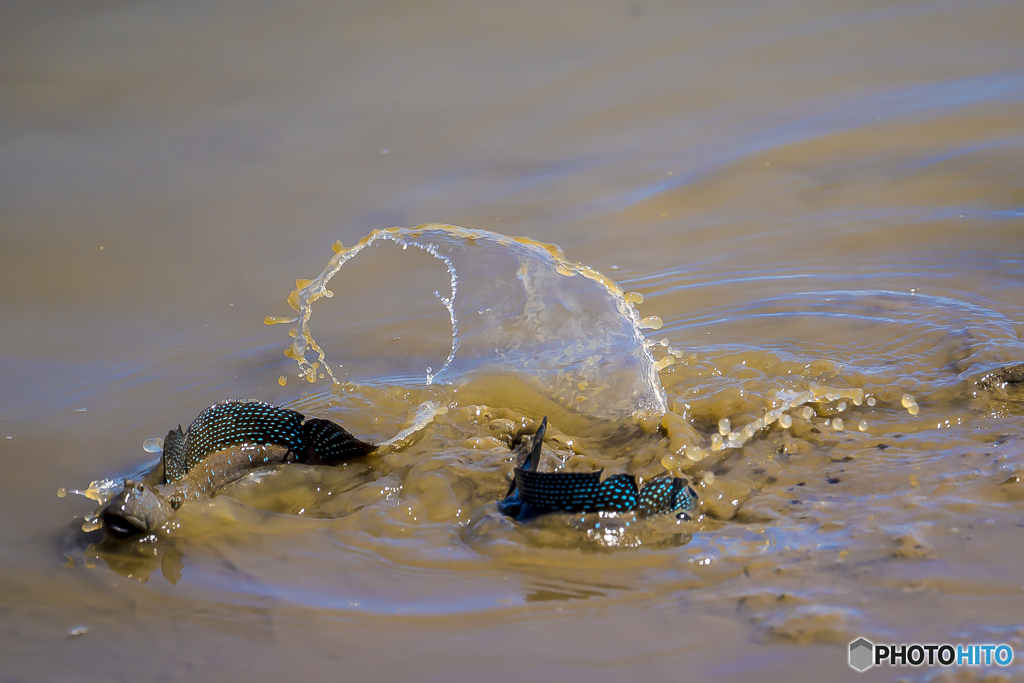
<point x="806" y="194"/>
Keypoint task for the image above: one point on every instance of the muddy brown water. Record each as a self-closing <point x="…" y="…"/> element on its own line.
<point x="806" y="194"/>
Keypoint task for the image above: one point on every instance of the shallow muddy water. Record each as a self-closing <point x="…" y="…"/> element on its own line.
<point x="821" y="205"/>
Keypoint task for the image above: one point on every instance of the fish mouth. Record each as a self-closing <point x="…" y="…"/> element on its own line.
<point x="121" y="526"/>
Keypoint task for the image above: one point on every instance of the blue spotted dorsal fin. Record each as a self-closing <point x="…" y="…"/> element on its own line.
<point x="666" y="494"/>
<point x="567" y="491"/>
<point x="328" y="443"/>
<point x="618" y="493"/>
<point x="532" y="492"/>
<point x="230" y="423"/>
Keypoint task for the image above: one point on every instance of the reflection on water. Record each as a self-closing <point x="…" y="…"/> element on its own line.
<point x="815" y="199"/>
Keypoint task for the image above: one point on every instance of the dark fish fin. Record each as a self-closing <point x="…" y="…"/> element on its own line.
<point x="666" y="494"/>
<point x="174" y="456"/>
<point x="327" y="443"/>
<point x="554" y="491"/>
<point x="617" y="493"/>
<point x="528" y="453"/>
<point x="533" y="456"/>
<point x="237" y="421"/>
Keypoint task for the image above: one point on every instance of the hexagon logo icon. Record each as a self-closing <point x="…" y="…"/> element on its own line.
<point x="862" y="654"/>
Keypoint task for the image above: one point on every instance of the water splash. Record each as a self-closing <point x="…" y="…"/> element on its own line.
<point x="783" y="411"/>
<point x="101" y="490"/>
<point x="517" y="306"/>
<point x="153" y="445"/>
<point x="423" y="416"/>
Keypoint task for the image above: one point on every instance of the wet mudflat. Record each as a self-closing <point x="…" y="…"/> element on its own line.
<point x="822" y="205"/>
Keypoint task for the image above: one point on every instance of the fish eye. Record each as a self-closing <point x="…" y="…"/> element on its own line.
<point x="175" y="504"/>
<point x="139" y="487"/>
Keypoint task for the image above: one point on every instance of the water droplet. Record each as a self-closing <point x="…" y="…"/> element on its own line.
<point x="651" y="322"/>
<point x="837" y="424"/>
<point x="862" y="425"/>
<point x="80" y="410"/>
<point x="282" y="380"/>
<point x="871" y="401"/>
<point x="696" y="454"/>
<point x="670" y="462"/>
<point x="724" y="426"/>
<point x="633" y="297"/>
<point x="153" y="445"/>
<point x="664" y="363"/>
<point x="78" y="631"/>
<point x="62" y="492"/>
<point x="785" y="421"/>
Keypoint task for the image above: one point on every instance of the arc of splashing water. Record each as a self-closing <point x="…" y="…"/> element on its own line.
<point x="308" y="292"/>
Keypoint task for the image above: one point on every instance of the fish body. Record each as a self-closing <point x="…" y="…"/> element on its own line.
<point x="224" y="443"/>
<point x="534" y="493"/>
<point x="225" y="424"/>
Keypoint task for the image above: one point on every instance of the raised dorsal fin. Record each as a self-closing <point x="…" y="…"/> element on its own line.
<point x="528" y="453"/>
<point x="174" y="456"/>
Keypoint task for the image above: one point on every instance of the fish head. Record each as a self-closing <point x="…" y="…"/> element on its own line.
<point x="135" y="511"/>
